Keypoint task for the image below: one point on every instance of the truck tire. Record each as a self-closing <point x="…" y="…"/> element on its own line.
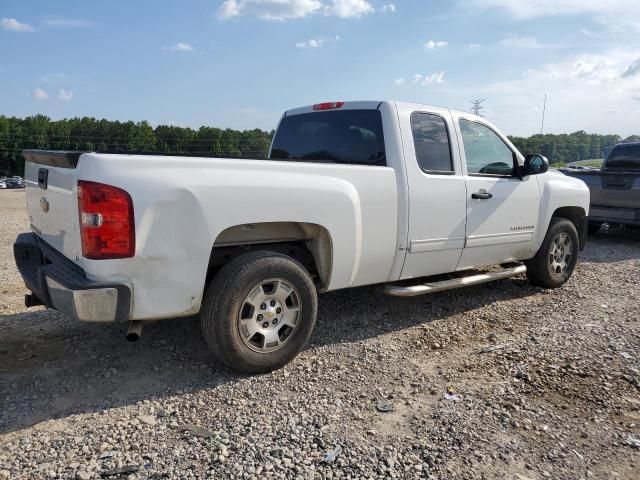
<point x="555" y="261"/>
<point x="259" y="311"/>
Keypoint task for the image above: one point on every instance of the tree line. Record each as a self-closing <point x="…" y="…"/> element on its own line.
<point x="90" y="134"/>
<point x="565" y="148"/>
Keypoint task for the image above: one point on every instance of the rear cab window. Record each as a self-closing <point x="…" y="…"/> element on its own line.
<point x="336" y="136"/>
<point x="624" y="157"/>
<point x="431" y="143"/>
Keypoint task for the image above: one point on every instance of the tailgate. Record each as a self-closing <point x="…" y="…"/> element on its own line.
<point x="611" y="188"/>
<point x="617" y="189"/>
<point x="50" y="179"/>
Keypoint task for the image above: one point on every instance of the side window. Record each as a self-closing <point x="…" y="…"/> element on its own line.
<point x="431" y="141"/>
<point x="485" y="151"/>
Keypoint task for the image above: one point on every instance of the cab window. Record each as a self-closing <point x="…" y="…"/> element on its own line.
<point x="485" y="152"/>
<point x="431" y="142"/>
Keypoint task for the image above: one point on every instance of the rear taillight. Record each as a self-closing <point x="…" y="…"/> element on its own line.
<point x="328" y="105"/>
<point x="107" y="226"/>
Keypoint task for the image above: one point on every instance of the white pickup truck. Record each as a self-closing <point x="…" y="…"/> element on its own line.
<point x="352" y="194"/>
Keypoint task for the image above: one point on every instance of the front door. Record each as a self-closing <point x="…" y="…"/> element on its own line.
<point x="437" y="192"/>
<point x="502" y="209"/>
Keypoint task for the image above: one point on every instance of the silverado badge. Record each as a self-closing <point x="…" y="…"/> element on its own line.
<point x="522" y="227"/>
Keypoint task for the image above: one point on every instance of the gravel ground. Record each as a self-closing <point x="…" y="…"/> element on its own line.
<point x="497" y="381"/>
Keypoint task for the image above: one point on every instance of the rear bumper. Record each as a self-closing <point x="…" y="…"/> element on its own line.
<point x="60" y="284"/>
<point x="625" y="216"/>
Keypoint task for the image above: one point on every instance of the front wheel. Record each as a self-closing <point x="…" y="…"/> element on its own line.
<point x="555" y="261"/>
<point x="259" y="311"/>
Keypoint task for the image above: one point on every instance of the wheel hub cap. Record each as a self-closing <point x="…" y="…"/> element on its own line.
<point x="269" y="315"/>
<point x="560" y="253"/>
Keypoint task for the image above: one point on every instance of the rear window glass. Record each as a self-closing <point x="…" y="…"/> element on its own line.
<point x="624" y="157"/>
<point x="431" y="141"/>
<point x="339" y="136"/>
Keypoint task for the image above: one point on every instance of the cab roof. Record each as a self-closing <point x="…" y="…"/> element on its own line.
<point x="366" y="105"/>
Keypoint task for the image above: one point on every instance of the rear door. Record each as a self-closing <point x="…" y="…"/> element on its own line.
<point x="502" y="209"/>
<point x="50" y="181"/>
<point x="437" y="192"/>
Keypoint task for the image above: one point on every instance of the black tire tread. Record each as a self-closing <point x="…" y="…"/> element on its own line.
<point x="537" y="270"/>
<point x="224" y="291"/>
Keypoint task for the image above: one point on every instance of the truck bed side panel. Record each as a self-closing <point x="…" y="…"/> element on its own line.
<point x="182" y="204"/>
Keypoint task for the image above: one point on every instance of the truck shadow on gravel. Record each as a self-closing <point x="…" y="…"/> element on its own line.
<point x="52" y="367"/>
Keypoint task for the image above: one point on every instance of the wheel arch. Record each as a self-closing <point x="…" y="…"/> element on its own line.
<point x="578" y="217"/>
<point x="308" y="243"/>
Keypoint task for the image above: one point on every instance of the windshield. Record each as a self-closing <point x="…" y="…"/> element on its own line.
<point x="624" y="157"/>
<point x="339" y="136"/>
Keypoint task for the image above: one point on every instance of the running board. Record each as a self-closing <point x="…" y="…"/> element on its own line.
<point x="414" y="290"/>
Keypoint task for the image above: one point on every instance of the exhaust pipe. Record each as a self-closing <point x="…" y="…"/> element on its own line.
<point x="134" y="332"/>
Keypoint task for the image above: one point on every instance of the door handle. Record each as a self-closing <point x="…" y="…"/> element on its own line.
<point x="481" y="195"/>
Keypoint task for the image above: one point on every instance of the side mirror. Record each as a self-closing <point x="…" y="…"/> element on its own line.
<point x="535" y="165"/>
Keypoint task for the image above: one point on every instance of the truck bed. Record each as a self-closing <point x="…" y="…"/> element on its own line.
<point x="183" y="204"/>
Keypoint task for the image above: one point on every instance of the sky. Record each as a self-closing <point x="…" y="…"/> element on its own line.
<point x="241" y="63"/>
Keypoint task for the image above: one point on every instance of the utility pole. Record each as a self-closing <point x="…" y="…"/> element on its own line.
<point x="476" y="106"/>
<point x="544" y="110"/>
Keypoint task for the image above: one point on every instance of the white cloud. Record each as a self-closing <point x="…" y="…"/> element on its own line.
<point x="181" y="47"/>
<point x="399" y="81"/>
<point x="312" y="43"/>
<point x="433" y="78"/>
<point x="317" y="42"/>
<point x="514" y="41"/>
<point x="581" y="90"/>
<point x="269" y="9"/>
<point x="433" y="44"/>
<point x="229" y="9"/>
<point x="65" y="95"/>
<point x="281" y="10"/>
<point x="613" y="13"/>
<point x="474" y="45"/>
<point x="437" y="77"/>
<point x="632" y="69"/>
<point x="541" y="8"/>
<point x="586" y="68"/>
<point x="40" y="94"/>
<point x="390" y="7"/>
<point x="69" y="23"/>
<point x="13" y="25"/>
<point x="348" y="8"/>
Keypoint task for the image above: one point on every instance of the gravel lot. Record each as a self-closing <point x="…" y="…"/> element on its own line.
<point x="497" y="381"/>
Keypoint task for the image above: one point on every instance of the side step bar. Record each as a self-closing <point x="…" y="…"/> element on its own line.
<point x="414" y="290"/>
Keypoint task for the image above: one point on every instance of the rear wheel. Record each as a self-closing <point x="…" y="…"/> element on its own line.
<point x="259" y="311"/>
<point x="555" y="261"/>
